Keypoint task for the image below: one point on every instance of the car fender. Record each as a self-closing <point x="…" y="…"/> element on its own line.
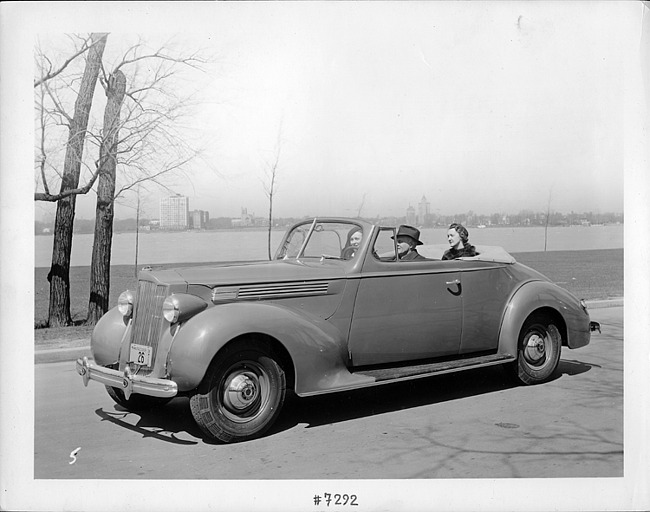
<point x="535" y="295"/>
<point x="107" y="337"/>
<point x="317" y="349"/>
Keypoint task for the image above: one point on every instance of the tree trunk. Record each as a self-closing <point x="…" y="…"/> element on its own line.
<point x="59" y="275"/>
<point x="100" y="269"/>
<point x="270" y="221"/>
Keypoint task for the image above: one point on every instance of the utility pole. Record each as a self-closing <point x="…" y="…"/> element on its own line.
<point x="137" y="233"/>
<point x="548" y="215"/>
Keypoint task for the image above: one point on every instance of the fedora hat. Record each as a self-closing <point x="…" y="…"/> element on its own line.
<point x="409" y="231"/>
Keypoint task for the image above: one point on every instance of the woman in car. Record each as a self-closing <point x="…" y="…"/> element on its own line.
<point x="351" y="246"/>
<point x="458" y="238"/>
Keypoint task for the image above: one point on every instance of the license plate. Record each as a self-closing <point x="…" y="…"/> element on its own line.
<point x="140" y="354"/>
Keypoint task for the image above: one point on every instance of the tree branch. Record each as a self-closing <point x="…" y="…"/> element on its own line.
<point x="46" y="196"/>
<point x="151" y="141"/>
<point x="59" y="109"/>
<point x="51" y="74"/>
<point x="191" y="61"/>
<point x="152" y="177"/>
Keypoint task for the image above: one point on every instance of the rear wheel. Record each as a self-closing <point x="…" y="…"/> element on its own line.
<point x="135" y="402"/>
<point x="539" y="347"/>
<point x="241" y="394"/>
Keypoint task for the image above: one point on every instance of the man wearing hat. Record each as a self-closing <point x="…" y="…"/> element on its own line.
<point x="408" y="238"/>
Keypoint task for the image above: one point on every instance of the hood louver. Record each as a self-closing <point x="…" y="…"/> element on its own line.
<point x="272" y="291"/>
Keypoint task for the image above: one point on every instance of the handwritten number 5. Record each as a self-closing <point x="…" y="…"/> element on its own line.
<point x="73" y="455"/>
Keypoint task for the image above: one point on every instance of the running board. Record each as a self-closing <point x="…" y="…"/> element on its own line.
<point x="421" y="370"/>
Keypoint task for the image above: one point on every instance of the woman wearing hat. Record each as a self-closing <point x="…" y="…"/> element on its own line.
<point x="458" y="238"/>
<point x="352" y="244"/>
<point x="408" y="238"/>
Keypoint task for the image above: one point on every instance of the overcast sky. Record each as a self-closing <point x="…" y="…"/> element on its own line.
<point x="490" y="107"/>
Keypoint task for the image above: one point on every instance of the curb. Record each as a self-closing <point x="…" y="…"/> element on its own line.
<point x="72" y="354"/>
<point x="57" y="355"/>
<point x="605" y="303"/>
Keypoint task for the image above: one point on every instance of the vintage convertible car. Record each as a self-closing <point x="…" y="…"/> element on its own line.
<point x="321" y="318"/>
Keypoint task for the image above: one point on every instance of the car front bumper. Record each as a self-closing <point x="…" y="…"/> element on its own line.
<point x="127" y="381"/>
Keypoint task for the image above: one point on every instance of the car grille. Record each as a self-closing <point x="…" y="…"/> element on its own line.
<point x="147" y="317"/>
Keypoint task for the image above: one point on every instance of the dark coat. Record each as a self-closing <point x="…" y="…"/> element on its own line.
<point x="412" y="255"/>
<point x="452" y="254"/>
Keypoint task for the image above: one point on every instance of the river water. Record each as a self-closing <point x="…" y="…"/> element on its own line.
<point x="228" y="245"/>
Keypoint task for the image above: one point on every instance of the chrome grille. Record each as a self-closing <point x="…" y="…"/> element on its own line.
<point x="147" y="317"/>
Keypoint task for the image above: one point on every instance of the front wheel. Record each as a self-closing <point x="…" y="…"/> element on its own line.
<point x="241" y="394"/>
<point x="539" y="347"/>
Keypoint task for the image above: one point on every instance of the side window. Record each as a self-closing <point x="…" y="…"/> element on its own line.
<point x="384" y="248"/>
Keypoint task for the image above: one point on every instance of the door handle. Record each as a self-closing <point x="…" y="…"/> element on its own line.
<point x="455" y="282"/>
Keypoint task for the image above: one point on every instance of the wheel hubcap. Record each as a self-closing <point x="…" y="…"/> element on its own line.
<point x="245" y="392"/>
<point x="535" y="349"/>
<point x="241" y="391"/>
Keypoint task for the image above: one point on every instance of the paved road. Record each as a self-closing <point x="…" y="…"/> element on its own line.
<point x="466" y="425"/>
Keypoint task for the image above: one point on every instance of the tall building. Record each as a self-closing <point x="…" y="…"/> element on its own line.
<point x="410" y="216"/>
<point x="247" y="219"/>
<point x="424" y="209"/>
<point x="199" y="219"/>
<point x="175" y="212"/>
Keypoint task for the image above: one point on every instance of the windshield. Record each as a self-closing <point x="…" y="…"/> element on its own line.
<point x="322" y="239"/>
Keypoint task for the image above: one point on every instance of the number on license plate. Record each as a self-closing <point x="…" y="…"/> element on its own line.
<point x="140" y="354"/>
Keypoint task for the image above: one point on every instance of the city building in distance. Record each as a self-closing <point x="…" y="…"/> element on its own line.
<point x="424" y="210"/>
<point x="175" y="215"/>
<point x="175" y="212"/>
<point x="199" y="219"/>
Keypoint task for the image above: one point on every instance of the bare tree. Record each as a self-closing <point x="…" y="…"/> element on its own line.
<point x="100" y="269"/>
<point x="140" y="142"/>
<point x="272" y="170"/>
<point x="360" y="209"/>
<point x="148" y="149"/>
<point x="53" y="119"/>
<point x="48" y="71"/>
<point x="59" y="275"/>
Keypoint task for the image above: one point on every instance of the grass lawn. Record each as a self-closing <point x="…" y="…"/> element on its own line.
<point x="587" y="274"/>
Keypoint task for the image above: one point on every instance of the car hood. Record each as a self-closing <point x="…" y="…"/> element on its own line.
<point x="276" y="271"/>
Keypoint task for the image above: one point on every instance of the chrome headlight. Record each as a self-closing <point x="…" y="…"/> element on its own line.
<point x="125" y="303"/>
<point x="171" y="309"/>
<point x="182" y="306"/>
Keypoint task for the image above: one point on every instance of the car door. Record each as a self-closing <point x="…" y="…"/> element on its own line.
<point x="485" y="289"/>
<point x="405" y="311"/>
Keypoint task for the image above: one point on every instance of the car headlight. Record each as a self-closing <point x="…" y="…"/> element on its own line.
<point x="583" y="305"/>
<point x="171" y="309"/>
<point x="179" y="307"/>
<point x="125" y="303"/>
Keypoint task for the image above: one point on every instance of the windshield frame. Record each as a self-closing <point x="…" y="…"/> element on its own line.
<point x="281" y="252"/>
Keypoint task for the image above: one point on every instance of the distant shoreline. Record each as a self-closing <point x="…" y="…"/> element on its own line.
<point x="596" y="274"/>
<point x="519" y="256"/>
<point x="283" y="228"/>
<point x="163" y="247"/>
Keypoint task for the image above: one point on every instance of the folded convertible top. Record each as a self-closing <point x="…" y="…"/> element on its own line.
<point x="492" y="253"/>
